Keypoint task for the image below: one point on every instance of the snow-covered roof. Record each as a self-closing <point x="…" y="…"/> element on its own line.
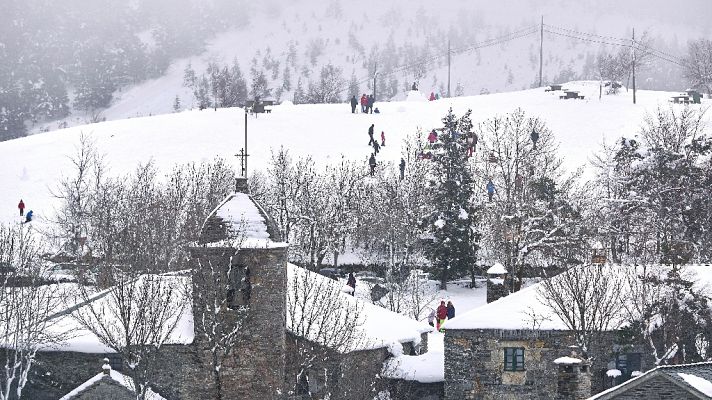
<point x="526" y="309"/>
<point x="425" y="368"/>
<point x="114" y="377"/>
<point x="696" y="377"/>
<point x="78" y="339"/>
<point x="379" y="327"/>
<point x="497" y="269"/>
<point x="246" y="223"/>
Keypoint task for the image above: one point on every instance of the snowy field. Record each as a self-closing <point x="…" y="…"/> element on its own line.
<point x="33" y="166"/>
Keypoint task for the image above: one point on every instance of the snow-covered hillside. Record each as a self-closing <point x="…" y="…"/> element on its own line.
<point x="305" y="35"/>
<point x="33" y="166"/>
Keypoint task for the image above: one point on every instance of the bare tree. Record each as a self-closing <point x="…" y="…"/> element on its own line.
<point x="698" y="64"/>
<point x="220" y="309"/>
<point x="328" y="321"/>
<point x="135" y="317"/>
<point x="27" y="300"/>
<point x="587" y="299"/>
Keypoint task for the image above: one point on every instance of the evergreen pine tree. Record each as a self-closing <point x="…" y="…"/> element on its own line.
<point x="453" y="218"/>
<point x="299" y="95"/>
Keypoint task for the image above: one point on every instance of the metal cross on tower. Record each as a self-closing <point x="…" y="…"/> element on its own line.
<point x="243" y="162"/>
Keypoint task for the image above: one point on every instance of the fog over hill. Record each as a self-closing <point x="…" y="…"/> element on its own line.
<point x="81" y="61"/>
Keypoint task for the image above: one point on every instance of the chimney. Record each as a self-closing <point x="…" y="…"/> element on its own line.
<point x="573" y="378"/>
<point x="496" y="277"/>
<point x="241" y="185"/>
<point x="106" y="368"/>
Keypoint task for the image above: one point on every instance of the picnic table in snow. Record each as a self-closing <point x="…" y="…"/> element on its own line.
<point x="571" y="94"/>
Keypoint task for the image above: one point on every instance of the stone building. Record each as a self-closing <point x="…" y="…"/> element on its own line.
<point x="240" y="242"/>
<point x="107" y="385"/>
<point x="508" y="349"/>
<point x="673" y="382"/>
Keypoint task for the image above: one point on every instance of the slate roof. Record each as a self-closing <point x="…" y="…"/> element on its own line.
<point x="699" y="390"/>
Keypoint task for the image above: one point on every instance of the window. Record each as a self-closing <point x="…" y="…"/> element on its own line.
<point x="514" y="359"/>
<point x="240" y="290"/>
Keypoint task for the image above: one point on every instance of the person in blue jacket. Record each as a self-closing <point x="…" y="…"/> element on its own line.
<point x="490" y="189"/>
<point x="28" y="217"/>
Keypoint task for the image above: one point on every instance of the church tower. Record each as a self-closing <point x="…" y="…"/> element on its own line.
<point x="241" y="242"/>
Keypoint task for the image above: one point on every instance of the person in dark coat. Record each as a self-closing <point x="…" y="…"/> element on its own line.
<point x="370" y="135"/>
<point x="414" y="87"/>
<point x="354" y="103"/>
<point x="21" y="206"/>
<point x="376" y="147"/>
<point x="441" y="314"/>
<point x="535" y="137"/>
<point x="370" y="102"/>
<point x="364" y="102"/>
<point x="28" y="217"/>
<point x="372" y="163"/>
<point x="450" y="310"/>
<point x="352" y="282"/>
<point x="402" y="168"/>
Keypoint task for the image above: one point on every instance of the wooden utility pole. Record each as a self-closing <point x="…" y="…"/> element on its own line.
<point x="448" y="68"/>
<point x="541" y="53"/>
<point x="375" y="74"/>
<point x="633" y="48"/>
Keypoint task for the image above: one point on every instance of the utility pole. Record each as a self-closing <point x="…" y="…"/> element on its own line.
<point x="633" y="47"/>
<point x="541" y="53"/>
<point x="448" y="68"/>
<point x="375" y="74"/>
<point x="244" y="170"/>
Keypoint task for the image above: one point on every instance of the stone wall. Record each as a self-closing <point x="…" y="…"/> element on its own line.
<point x="496" y="290"/>
<point x="474" y="363"/>
<point x="257" y="370"/>
<point x="573" y="382"/>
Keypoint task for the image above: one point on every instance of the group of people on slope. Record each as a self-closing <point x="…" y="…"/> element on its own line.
<point x="441" y="314"/>
<point x="366" y="104"/>
<point x="432" y="138"/>
<point x="21" y="207"/>
<point x="376" y="148"/>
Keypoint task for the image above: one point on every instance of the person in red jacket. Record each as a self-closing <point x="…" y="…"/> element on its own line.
<point x="441" y="314"/>
<point x="383" y="139"/>
<point x="21" y="206"/>
<point x="364" y="102"/>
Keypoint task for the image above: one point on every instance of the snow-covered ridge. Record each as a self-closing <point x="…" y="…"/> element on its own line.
<point x="33" y="166"/>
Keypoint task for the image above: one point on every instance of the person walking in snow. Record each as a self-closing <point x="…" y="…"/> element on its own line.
<point x="351" y="282"/>
<point x="490" y="189"/>
<point x="376" y="147"/>
<point x="28" y="217"/>
<point x="370" y="135"/>
<point x="441" y="314"/>
<point x="383" y="139"/>
<point x="372" y="163"/>
<point x="370" y="102"/>
<point x="364" y="103"/>
<point x="431" y="317"/>
<point x="401" y="166"/>
<point x="21" y="206"/>
<point x="450" y="310"/>
<point x="471" y="143"/>
<point x="354" y="103"/>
